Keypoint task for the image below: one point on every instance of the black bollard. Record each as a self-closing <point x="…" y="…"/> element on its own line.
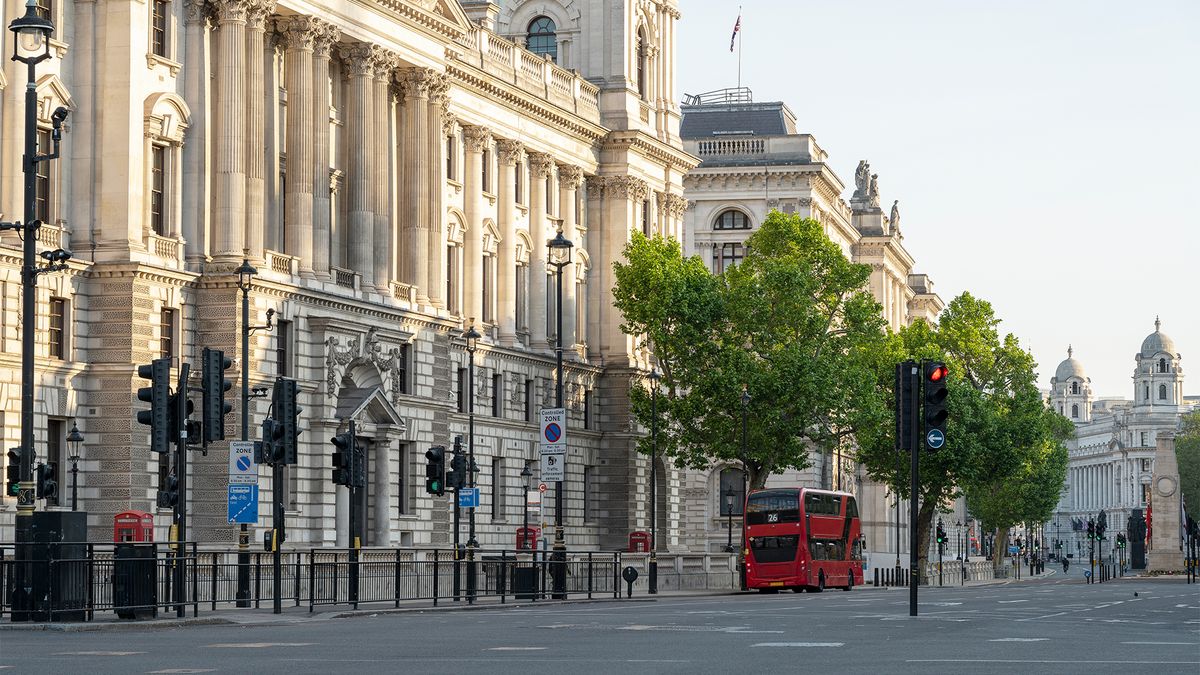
<point x="630" y="575"/>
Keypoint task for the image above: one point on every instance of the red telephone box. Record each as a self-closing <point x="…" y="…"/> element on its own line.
<point x="639" y="542"/>
<point x="133" y="526"/>
<point x="527" y="538"/>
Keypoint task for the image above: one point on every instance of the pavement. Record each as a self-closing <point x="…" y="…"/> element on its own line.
<point x="1051" y="624"/>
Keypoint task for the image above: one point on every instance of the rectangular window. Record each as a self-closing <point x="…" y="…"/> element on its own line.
<point x="529" y="401"/>
<point x="498" y="395"/>
<point x="587" y="410"/>
<point x="452" y="279"/>
<point x="518" y="183"/>
<point x="283" y="348"/>
<point x="158" y="212"/>
<point x="549" y="195"/>
<point x="488" y="281"/>
<point x="450" y="173"/>
<point x="589" y="482"/>
<point x="732" y="481"/>
<point x="56" y="437"/>
<point x="646" y="217"/>
<point x="552" y="308"/>
<point x="462" y="390"/>
<point x="158" y="28"/>
<point x="42" y="196"/>
<point x="166" y="333"/>
<point x="403" y="366"/>
<point x="497" y="489"/>
<point x="44" y="9"/>
<point x="522" y="295"/>
<point x="486" y="163"/>
<point x="58" y="334"/>
<point x="403" y="489"/>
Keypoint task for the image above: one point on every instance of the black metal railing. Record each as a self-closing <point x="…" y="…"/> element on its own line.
<point x="74" y="582"/>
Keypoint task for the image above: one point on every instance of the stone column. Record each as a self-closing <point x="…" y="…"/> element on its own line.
<point x="299" y="34"/>
<point x="196" y="90"/>
<point x="477" y="139"/>
<point x="623" y="196"/>
<point x="360" y="142"/>
<point x="229" y="153"/>
<point x="439" y="103"/>
<point x="509" y="153"/>
<point x="326" y="36"/>
<point x="415" y="216"/>
<point x="540" y="167"/>
<point x="381" y="488"/>
<point x="255" y="111"/>
<point x="569" y="179"/>
<point x="381" y="248"/>
<point x="1164" y="552"/>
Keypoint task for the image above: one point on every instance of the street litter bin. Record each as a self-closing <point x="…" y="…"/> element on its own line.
<point x="524" y="581"/>
<point x="135" y="581"/>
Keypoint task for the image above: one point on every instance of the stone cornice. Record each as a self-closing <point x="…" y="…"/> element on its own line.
<point x="644" y="144"/>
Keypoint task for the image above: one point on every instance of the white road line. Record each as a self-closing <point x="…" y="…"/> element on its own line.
<point x="1006" y="602"/>
<point x="1147" y="642"/>
<point x="258" y="645"/>
<point x="799" y="644"/>
<point x="98" y="653"/>
<point x="1151" y="663"/>
<point x="1019" y="640"/>
<point x="183" y="670"/>
<point x="515" y="649"/>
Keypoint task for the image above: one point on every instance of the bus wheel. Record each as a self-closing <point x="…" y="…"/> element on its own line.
<point x="849" y="582"/>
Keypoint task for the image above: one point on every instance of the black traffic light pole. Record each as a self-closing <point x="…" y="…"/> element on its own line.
<point x="910" y="370"/>
<point x="180" y="415"/>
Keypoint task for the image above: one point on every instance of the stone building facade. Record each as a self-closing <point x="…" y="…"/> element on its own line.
<point x="393" y="169"/>
<point x="755" y="160"/>
<point x="1111" y="466"/>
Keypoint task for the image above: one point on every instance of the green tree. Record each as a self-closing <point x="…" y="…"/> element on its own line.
<point x="1187" y="453"/>
<point x="793" y="324"/>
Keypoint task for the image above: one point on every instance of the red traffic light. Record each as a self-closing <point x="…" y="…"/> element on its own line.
<point x="938" y="373"/>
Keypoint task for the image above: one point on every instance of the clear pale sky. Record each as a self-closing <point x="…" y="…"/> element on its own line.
<point x="1044" y="152"/>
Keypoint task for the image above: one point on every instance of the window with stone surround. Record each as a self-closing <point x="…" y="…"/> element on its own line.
<point x="519" y="183"/>
<point x="589" y="493"/>
<point x="452" y="279"/>
<point x="158" y="188"/>
<point x="488" y="290"/>
<point x="1074" y="410"/>
<point x="641" y="56"/>
<point x="497" y="488"/>
<point x="164" y="129"/>
<point x="498" y="395"/>
<point x="160" y="25"/>
<point x="451" y="156"/>
<point x="403" y="367"/>
<point x="522" y="299"/>
<point x="542" y="38"/>
<point x="731" y="479"/>
<point x="732" y="219"/>
<point x="56" y="438"/>
<point x="57" y="338"/>
<point x="462" y="390"/>
<point x="726" y="256"/>
<point x="486" y="163"/>
<point x="1162" y="392"/>
<point x="44" y="189"/>
<point x="529" y="411"/>
<point x="283" y="348"/>
<point x="166" y="333"/>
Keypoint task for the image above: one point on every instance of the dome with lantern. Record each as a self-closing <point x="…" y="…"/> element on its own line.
<point x="1157" y="342"/>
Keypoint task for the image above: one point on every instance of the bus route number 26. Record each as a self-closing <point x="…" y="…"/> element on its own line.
<point x="772" y="517"/>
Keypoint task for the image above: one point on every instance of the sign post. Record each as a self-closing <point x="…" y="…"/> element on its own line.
<point x="242" y="492"/>
<point x="552" y="444"/>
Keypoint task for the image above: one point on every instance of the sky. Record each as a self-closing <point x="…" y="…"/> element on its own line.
<point x="1044" y="152"/>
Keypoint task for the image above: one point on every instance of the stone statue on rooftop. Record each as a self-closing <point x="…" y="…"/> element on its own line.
<point x="894" y="218"/>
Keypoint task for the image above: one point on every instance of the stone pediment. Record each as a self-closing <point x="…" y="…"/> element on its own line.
<point x="353" y="402"/>
<point x="442" y="16"/>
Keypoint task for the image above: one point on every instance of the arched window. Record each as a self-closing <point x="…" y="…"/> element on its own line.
<point x="1074" y="410"/>
<point x="1162" y="365"/>
<point x="542" y="38"/>
<point x="732" y="219"/>
<point x="1147" y="392"/>
<point x="1074" y="387"/>
<point x="732" y="481"/>
<point x="1162" y="392"/>
<point x="640" y="55"/>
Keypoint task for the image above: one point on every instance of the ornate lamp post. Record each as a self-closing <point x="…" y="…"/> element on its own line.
<point x="526" y="478"/>
<point x="246" y="273"/>
<point x="74" y="439"/>
<point x="471" y="336"/>
<point x="559" y="256"/>
<point x="653" y="584"/>
<point x="31" y="46"/>
<point x="729" y="495"/>
<point x="745" y="409"/>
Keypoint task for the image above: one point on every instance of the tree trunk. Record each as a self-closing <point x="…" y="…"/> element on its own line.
<point x="999" y="549"/>
<point x="924" y="525"/>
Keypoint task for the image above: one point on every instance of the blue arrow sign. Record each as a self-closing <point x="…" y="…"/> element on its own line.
<point x="935" y="439"/>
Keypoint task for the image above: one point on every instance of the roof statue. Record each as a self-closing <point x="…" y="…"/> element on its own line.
<point x="873" y="190"/>
<point x="862" y="179"/>
<point x="894" y="218"/>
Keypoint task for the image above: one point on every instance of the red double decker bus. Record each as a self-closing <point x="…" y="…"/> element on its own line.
<point x="802" y="539"/>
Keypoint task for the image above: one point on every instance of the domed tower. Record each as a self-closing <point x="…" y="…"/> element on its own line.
<point x="1071" y="390"/>
<point x="1158" y="377"/>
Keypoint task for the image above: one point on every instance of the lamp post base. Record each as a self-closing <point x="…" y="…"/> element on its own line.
<point x="653" y="584"/>
<point x="558" y="565"/>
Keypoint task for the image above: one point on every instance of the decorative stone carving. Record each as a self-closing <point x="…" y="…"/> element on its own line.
<point x="336" y="360"/>
<point x="569" y="176"/>
<point x="476" y="138"/>
<point x="232" y="11"/>
<point x="384" y="62"/>
<point x="509" y="152"/>
<point x="258" y="13"/>
<point x="449" y="124"/>
<point x="298" y="32"/>
<point x="356" y="57"/>
<point x="873" y="191"/>
<point x="385" y="358"/>
<point x="894" y="218"/>
<point x="596" y="185"/>
<point x="389" y="363"/>
<point x="415" y="82"/>
<point x="540" y="164"/>
<point x="862" y="179"/>
<point x="327" y="35"/>
<point x="627" y="187"/>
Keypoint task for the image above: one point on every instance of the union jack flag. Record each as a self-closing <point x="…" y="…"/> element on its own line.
<point x="736" y="27"/>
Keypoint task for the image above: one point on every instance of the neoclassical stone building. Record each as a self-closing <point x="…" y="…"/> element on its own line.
<point x="393" y="169"/>
<point x="1112" y="455"/>
<point x="755" y="161"/>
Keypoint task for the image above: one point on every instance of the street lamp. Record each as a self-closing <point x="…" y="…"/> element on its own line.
<point x="729" y="495"/>
<point x="526" y="478"/>
<point x="246" y="273"/>
<point x="745" y="409"/>
<point x="471" y="336"/>
<point x="31" y="46"/>
<point x="74" y="439"/>
<point x="559" y="256"/>
<point x="654" y="377"/>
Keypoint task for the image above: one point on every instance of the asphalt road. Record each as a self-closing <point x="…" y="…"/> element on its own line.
<point x="1057" y="625"/>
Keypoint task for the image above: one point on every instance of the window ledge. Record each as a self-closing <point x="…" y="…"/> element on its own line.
<point x="153" y="60"/>
<point x="454" y="184"/>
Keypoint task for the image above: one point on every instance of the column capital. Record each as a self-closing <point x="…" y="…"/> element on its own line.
<point x="385" y="62"/>
<point x="356" y="56"/>
<point x="569" y="176"/>
<point x="197" y="11"/>
<point x="449" y="122"/>
<point x="298" y="32"/>
<point x="477" y="138"/>
<point x="326" y="37"/>
<point x="231" y="11"/>
<point x="509" y="151"/>
<point x="415" y="82"/>
<point x="259" y="11"/>
<point x="540" y="164"/>
<point x="627" y="187"/>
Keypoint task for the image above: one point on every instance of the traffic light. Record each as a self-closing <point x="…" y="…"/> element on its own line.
<point x="343" y="457"/>
<point x="285" y="413"/>
<point x="906" y="400"/>
<point x="47" y="481"/>
<point x="272" y="441"/>
<point x="190" y="429"/>
<point x="215" y="385"/>
<point x="941" y="534"/>
<point x="13" y="473"/>
<point x="457" y="477"/>
<point x="158" y="395"/>
<point x="168" y="492"/>
<point x="1091" y="529"/>
<point x="935" y="374"/>
<point x="435" y="470"/>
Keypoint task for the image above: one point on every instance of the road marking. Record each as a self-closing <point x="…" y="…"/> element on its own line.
<point x="1152" y="663"/>
<point x="98" y="653"/>
<point x="1007" y="602"/>
<point x="515" y="649"/>
<point x="183" y="670"/>
<point x="1019" y="640"/>
<point x="1146" y="642"/>
<point x="799" y="644"/>
<point x="259" y="645"/>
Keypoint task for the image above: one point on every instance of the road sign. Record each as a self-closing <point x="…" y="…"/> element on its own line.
<point x="554" y="430"/>
<point x="242" y="469"/>
<point x="1014" y="549"/>
<point x="542" y="487"/>
<point x="533" y="498"/>
<point x="243" y="503"/>
<point x="554" y="467"/>
<point x="935" y="439"/>
<point x="468" y="498"/>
